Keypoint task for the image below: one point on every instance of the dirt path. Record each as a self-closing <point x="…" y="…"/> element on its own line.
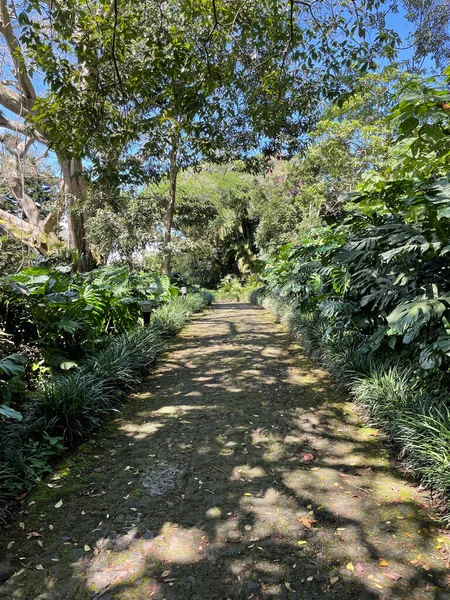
<point x="238" y="472"/>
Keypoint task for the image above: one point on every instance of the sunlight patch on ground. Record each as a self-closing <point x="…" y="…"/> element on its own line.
<point x="142" y="431"/>
<point x="246" y="472"/>
<point x="125" y="558"/>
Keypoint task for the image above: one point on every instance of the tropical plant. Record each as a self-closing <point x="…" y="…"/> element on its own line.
<point x="67" y="316"/>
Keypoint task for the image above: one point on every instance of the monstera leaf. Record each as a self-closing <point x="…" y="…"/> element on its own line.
<point x="416" y="314"/>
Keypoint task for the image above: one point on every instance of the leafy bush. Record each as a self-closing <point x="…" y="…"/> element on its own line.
<point x="68" y="316"/>
<point x="371" y="295"/>
<point x="171" y="317"/>
<point x="255" y="295"/>
<point x="208" y="297"/>
<point x="230" y="286"/>
<point x="12" y="369"/>
<point x="195" y="302"/>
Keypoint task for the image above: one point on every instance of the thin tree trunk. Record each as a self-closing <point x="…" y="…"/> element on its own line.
<point x="75" y="188"/>
<point x="168" y="219"/>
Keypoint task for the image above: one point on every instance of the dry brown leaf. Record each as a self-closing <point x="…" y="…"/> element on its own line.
<point x="308" y="522"/>
<point x="393" y="576"/>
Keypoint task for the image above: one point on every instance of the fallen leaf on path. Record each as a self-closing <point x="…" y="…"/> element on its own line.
<point x="10" y="545"/>
<point x="59" y="504"/>
<point x="39" y="567"/>
<point x="383" y="563"/>
<point x="165" y="574"/>
<point x="308" y="522"/>
<point x="307" y="456"/>
<point x="393" y="576"/>
<point x="350" y="566"/>
<point x="86" y="548"/>
<point x="33" y="534"/>
<point x="302" y="542"/>
<point x="288" y="586"/>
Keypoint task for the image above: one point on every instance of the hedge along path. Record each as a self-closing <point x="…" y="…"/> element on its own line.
<point x="239" y="472"/>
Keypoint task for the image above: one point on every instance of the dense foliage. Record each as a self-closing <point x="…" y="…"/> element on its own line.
<point x="371" y="294"/>
<point x="53" y="321"/>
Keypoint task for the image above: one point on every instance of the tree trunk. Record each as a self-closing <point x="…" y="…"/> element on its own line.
<point x="75" y="190"/>
<point x="168" y="219"/>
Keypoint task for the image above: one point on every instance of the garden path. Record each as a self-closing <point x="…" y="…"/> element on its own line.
<point x="239" y="471"/>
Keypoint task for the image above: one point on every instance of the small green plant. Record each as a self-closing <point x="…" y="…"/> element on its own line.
<point x="231" y="287"/>
<point x="12" y="370"/>
<point x="208" y="297"/>
<point x="170" y="318"/>
<point x="195" y="302"/>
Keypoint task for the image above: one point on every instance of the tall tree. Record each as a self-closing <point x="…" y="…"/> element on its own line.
<point x="216" y="81"/>
<point x="33" y="44"/>
<point x="187" y="79"/>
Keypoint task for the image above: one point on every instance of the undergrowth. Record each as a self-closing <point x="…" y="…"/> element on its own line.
<point x="67" y="409"/>
<point x="413" y="411"/>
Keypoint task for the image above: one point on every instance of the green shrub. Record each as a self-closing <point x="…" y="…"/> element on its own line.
<point x="195" y="302"/>
<point x="255" y="295"/>
<point x="170" y="318"/>
<point x="208" y="297"/>
<point x="73" y="406"/>
<point x="231" y="287"/>
<point x="67" y="316"/>
<point x="126" y="357"/>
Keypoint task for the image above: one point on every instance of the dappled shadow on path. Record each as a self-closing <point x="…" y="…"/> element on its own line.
<point x="239" y="471"/>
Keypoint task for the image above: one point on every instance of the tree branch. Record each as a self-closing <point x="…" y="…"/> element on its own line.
<point x="33" y="237"/>
<point x="17" y="56"/>
<point x="13" y="101"/>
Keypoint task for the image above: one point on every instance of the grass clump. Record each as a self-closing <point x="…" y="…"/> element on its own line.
<point x="208" y="297"/>
<point x="170" y="318"/>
